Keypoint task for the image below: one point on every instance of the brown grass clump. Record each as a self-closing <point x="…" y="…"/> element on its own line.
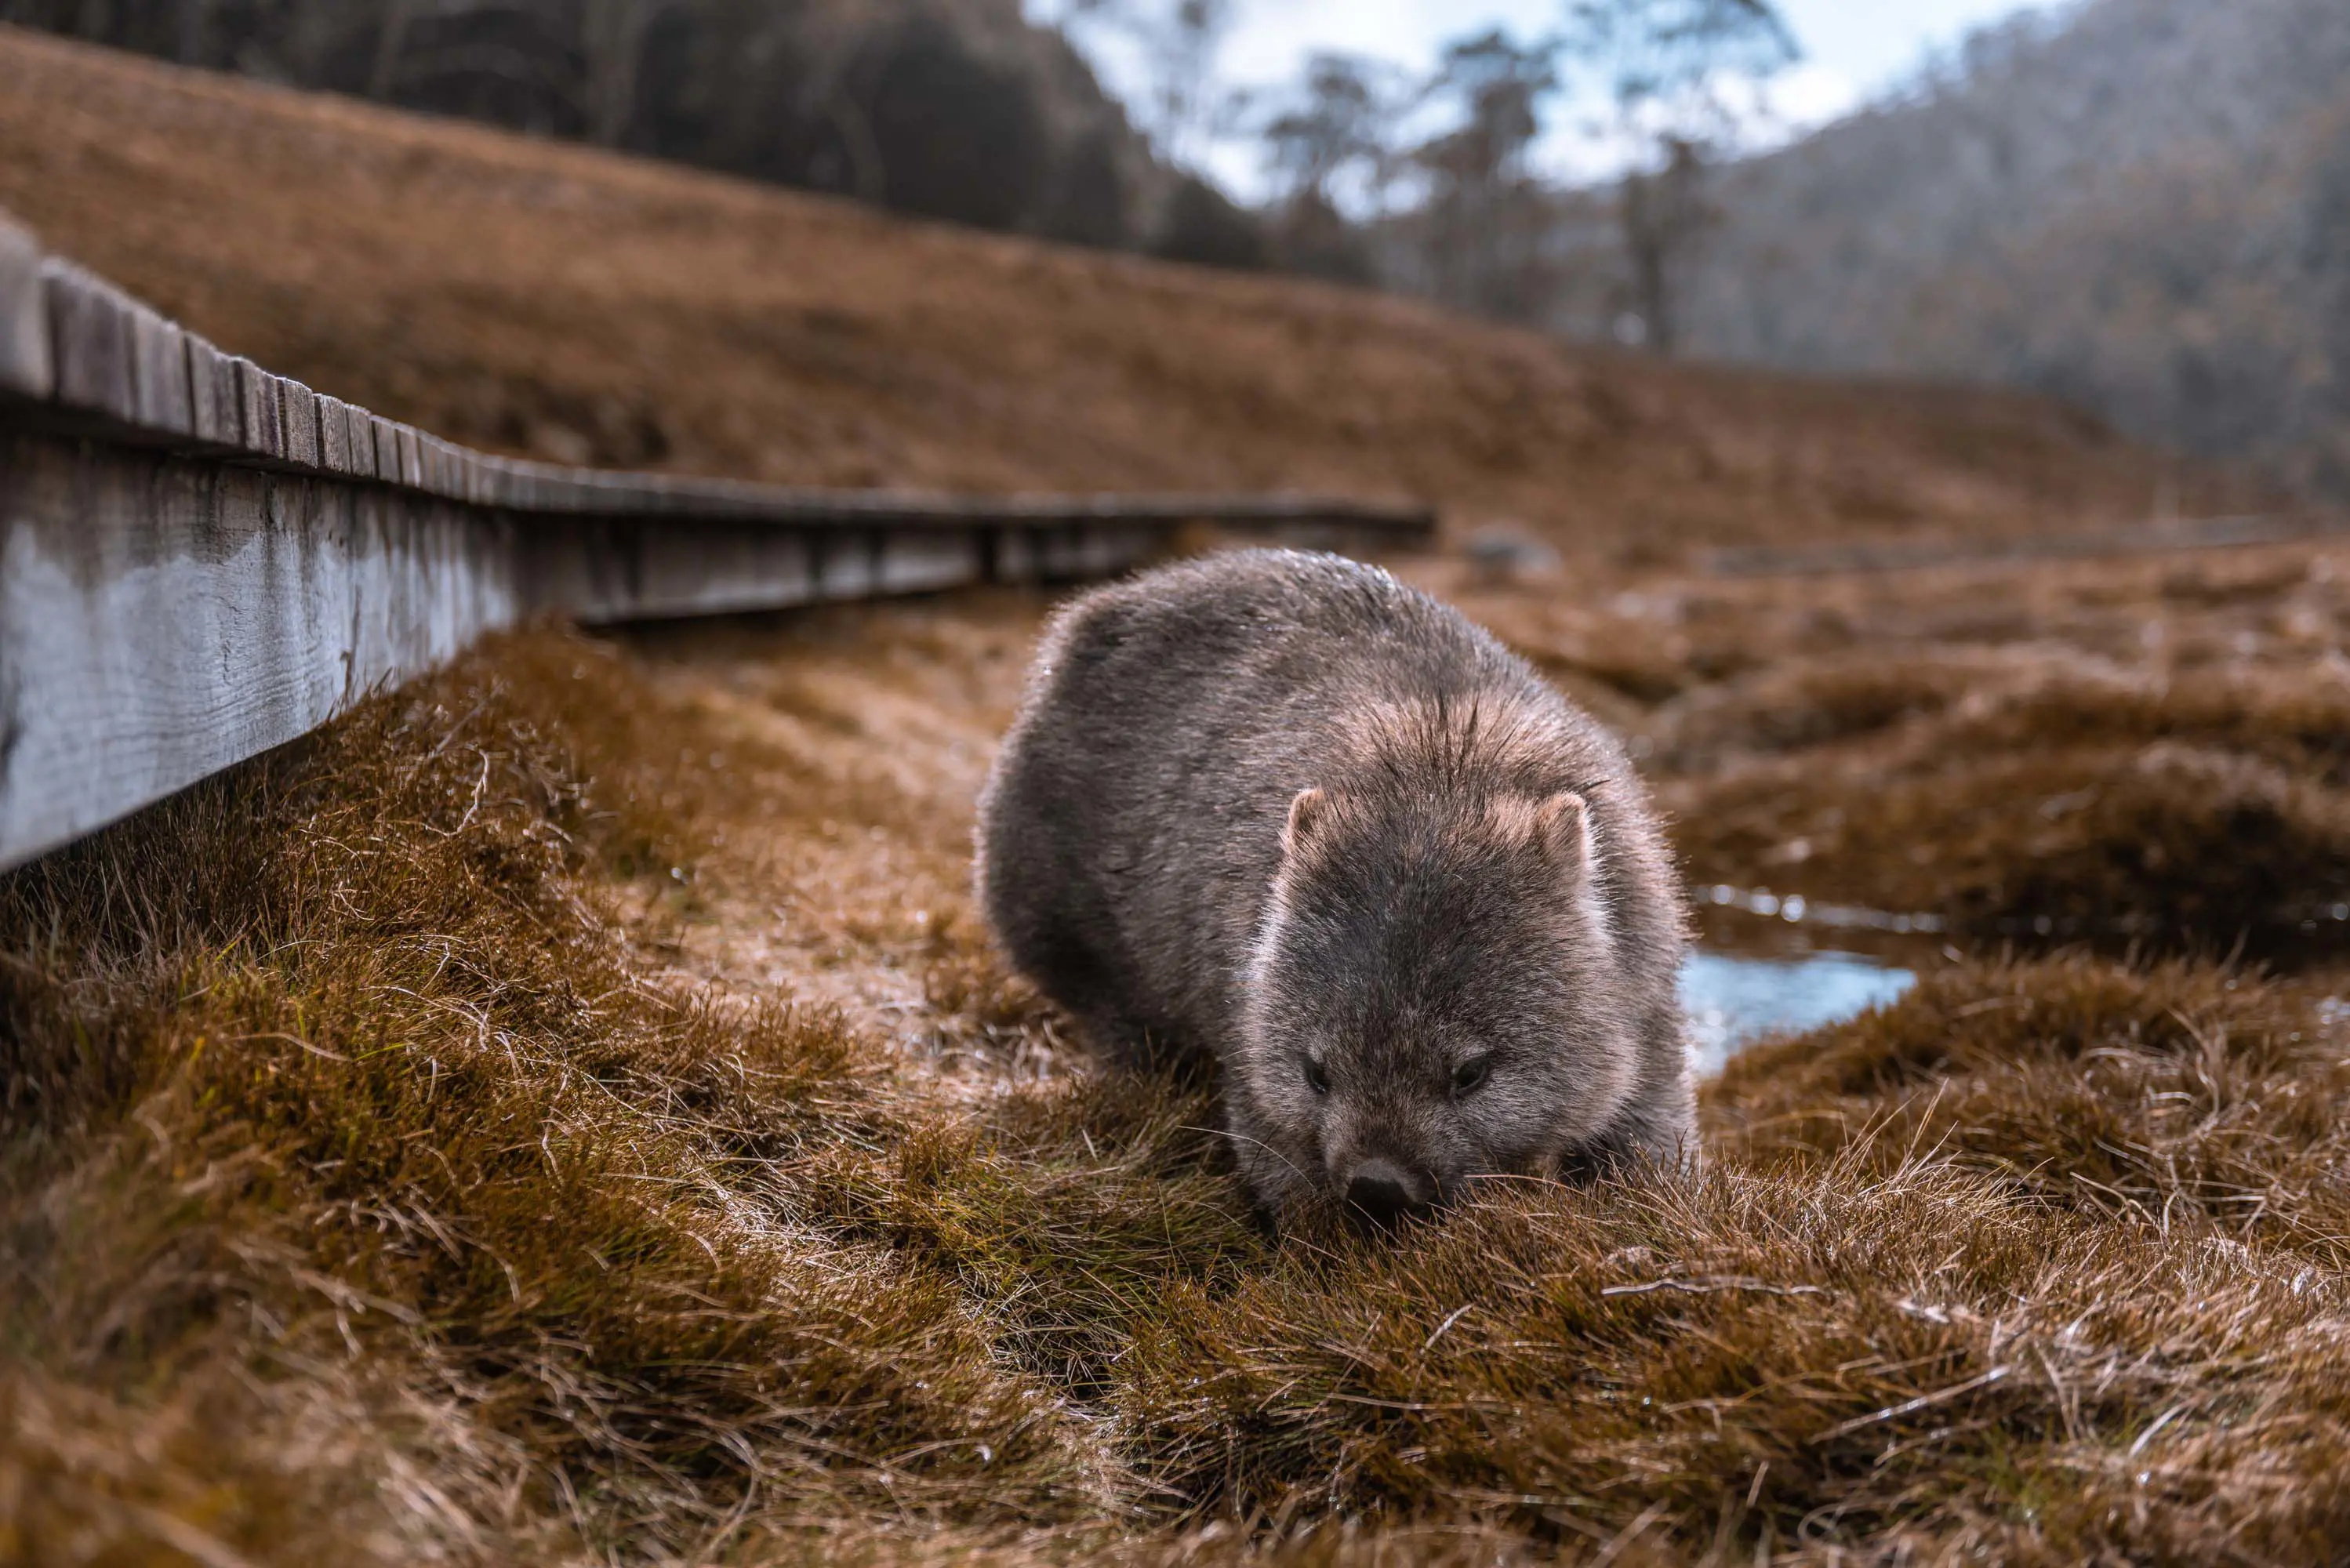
<point x="1915" y="1364"/>
<point x="2168" y="846"/>
<point x="337" y="1059"/>
<point x="2044" y="755"/>
<point x="2178" y="1096"/>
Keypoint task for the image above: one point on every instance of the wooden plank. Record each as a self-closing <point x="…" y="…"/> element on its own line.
<point x="439" y="464"/>
<point x="216" y="414"/>
<point x="359" y="440"/>
<point x="386" y="448"/>
<point x="26" y="370"/>
<point x="606" y="571"/>
<point x="164" y="617"/>
<point x="263" y="412"/>
<point x="922" y="561"/>
<point x="301" y="407"/>
<point x="590" y="493"/>
<point x="845" y="564"/>
<point x="159" y="374"/>
<point x="89" y="334"/>
<point x="510" y="484"/>
<point x="335" y="437"/>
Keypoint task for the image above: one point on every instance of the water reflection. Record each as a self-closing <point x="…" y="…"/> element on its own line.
<point x="1734" y="1002"/>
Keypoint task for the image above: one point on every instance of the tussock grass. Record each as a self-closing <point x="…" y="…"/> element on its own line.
<point x="2139" y="756"/>
<point x="2179" y="1097"/>
<point x="378" y="1076"/>
<point x="384" y="1181"/>
<point x="2163" y="846"/>
<point x="1918" y="1361"/>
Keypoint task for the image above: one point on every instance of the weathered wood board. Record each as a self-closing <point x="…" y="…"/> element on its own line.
<point x="25" y="365"/>
<point x="162" y="618"/>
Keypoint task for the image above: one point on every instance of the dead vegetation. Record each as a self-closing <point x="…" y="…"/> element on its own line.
<point x="2142" y="755"/>
<point x="565" y="1111"/>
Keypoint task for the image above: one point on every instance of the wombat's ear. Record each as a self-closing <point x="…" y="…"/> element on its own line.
<point x="1308" y="809"/>
<point x="1563" y="831"/>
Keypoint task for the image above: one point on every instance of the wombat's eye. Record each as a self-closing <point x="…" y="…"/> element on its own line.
<point x="1471" y="1075"/>
<point x="1317" y="1078"/>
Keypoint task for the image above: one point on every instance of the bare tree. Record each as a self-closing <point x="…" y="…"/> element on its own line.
<point x="1338" y="130"/>
<point x="1484" y="212"/>
<point x="1663" y="215"/>
<point x="612" y="35"/>
<point x="1330" y="144"/>
<point x="1178" y="41"/>
<point x="1663" y="66"/>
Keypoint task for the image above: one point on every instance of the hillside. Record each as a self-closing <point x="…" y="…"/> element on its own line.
<point x="552" y="300"/>
<point x="2141" y="206"/>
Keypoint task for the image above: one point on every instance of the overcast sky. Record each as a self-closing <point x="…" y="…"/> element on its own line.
<point x="1852" y="48"/>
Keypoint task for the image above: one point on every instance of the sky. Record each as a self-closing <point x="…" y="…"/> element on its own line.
<point x="1853" y="49"/>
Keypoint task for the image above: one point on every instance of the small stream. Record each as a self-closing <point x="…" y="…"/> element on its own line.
<point x="1734" y="1000"/>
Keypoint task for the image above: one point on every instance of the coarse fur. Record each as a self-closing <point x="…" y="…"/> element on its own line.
<point x="1278" y="810"/>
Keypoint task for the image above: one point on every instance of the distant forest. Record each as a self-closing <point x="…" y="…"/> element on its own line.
<point x="2140" y="206"/>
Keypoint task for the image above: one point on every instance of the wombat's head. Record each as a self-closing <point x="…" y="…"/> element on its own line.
<point x="1433" y="997"/>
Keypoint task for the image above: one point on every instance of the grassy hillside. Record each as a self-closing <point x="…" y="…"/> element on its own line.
<point x="957" y="110"/>
<point x="541" y="299"/>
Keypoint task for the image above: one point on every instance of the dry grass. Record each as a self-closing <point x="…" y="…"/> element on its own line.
<point x="2142" y="755"/>
<point x="369" y="1086"/>
<point x="565" y="1112"/>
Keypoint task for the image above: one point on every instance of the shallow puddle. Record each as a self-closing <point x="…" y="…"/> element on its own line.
<point x="1733" y="1001"/>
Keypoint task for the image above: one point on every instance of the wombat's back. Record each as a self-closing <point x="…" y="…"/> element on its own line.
<point x="1131" y="828"/>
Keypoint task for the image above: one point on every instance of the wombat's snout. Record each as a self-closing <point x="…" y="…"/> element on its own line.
<point x="1384" y="1193"/>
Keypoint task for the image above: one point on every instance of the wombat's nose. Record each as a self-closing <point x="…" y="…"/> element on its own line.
<point x="1384" y="1193"/>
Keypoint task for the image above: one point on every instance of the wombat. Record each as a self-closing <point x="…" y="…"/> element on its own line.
<point x="1280" y="810"/>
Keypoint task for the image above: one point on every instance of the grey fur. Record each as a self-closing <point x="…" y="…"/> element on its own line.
<point x="1277" y="808"/>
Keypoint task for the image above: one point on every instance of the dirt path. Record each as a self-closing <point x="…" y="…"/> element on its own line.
<point x="841" y="873"/>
